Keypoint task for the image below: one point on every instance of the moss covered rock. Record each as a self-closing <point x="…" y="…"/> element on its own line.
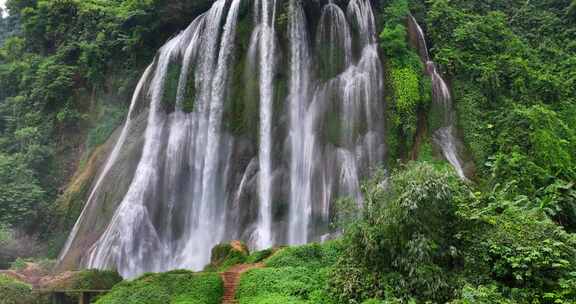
<point x="226" y="255"/>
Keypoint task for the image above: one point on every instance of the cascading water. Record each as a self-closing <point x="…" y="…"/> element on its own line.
<point x="300" y="131"/>
<point x="445" y="136"/>
<point x="267" y="65"/>
<point x="209" y="160"/>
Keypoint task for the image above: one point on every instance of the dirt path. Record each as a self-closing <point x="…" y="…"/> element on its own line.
<point x="231" y="280"/>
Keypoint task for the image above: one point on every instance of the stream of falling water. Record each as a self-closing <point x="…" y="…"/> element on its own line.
<point x="196" y="181"/>
<point x="445" y="136"/>
<point x="302" y="140"/>
<point x="267" y="66"/>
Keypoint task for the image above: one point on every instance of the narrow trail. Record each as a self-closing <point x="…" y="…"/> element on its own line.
<point x="231" y="278"/>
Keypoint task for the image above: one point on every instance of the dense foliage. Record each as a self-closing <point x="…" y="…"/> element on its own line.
<point x="14" y="292"/>
<point x="423" y="236"/>
<point x="181" y="287"/>
<point x="513" y="71"/>
<point x="292" y="275"/>
<point x="409" y="90"/>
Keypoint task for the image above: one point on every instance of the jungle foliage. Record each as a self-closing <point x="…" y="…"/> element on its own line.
<point x="513" y="72"/>
<point x="424" y="236"/>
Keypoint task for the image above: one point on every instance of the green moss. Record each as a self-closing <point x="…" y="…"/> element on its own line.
<point x="110" y="118"/>
<point x="406" y="82"/>
<point x="333" y="131"/>
<point x="292" y="275"/>
<point x="189" y="98"/>
<point x="224" y="256"/>
<point x="241" y="110"/>
<point x="171" y="86"/>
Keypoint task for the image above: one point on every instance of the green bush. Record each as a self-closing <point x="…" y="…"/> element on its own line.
<point x="313" y="256"/>
<point x="293" y="283"/>
<point x="177" y="286"/>
<point x="528" y="255"/>
<point x="272" y="299"/>
<point x="95" y="280"/>
<point x="403" y="244"/>
<point x="481" y="295"/>
<point x="259" y="256"/>
<point x="21" y="195"/>
<point x="14" y="292"/>
<point x="18" y="264"/>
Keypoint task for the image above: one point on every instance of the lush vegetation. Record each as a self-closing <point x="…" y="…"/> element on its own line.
<point x="512" y="68"/>
<point x="181" y="287"/>
<point x="14" y="292"/>
<point x="425" y="236"/>
<point x="291" y="275"/>
<point x="67" y="69"/>
<point x="409" y="89"/>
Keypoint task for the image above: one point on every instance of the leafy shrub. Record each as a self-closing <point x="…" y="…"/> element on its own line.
<point x="393" y="40"/>
<point x="96" y="279"/>
<point x="403" y="243"/>
<point x="525" y="253"/>
<point x="259" y="256"/>
<point x="481" y="295"/>
<point x="14" y="292"/>
<point x="272" y="299"/>
<point x="178" y="286"/>
<point x="18" y="264"/>
<point x="20" y="192"/>
<point x="290" y="283"/>
<point x="541" y="144"/>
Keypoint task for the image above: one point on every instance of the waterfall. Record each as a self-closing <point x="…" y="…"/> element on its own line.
<point x="302" y="140"/>
<point x="109" y="162"/>
<point x="267" y="66"/>
<point x="131" y="223"/>
<point x="445" y="136"/>
<point x="361" y="12"/>
<point x="333" y="40"/>
<point x="209" y="216"/>
<point x="132" y="242"/>
<point x="228" y="139"/>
